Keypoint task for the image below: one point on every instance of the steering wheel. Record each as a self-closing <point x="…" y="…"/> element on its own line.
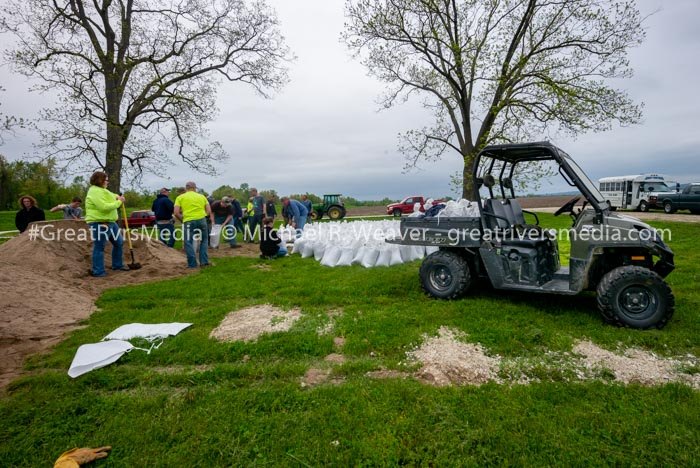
<point x="568" y="206"/>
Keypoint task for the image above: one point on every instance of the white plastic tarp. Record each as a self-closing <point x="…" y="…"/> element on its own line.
<point x="96" y="355"/>
<point x="149" y="331"/>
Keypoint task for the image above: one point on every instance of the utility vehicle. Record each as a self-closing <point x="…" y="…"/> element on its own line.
<point x="332" y="206"/>
<point x="621" y="258"/>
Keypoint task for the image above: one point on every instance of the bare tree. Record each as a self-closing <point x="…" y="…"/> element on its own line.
<point x="498" y="70"/>
<point x="136" y="79"/>
<point x="8" y="124"/>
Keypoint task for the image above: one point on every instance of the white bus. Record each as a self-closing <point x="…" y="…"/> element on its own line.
<point x="632" y="192"/>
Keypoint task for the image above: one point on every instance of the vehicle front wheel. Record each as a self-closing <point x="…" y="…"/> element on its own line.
<point x="635" y="297"/>
<point x="668" y="208"/>
<point x="445" y="275"/>
<point x="335" y="212"/>
<point x="643" y="206"/>
<point x="316" y="215"/>
<point x="396" y="213"/>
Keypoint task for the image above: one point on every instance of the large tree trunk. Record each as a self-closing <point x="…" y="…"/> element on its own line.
<point x="467" y="176"/>
<point x="113" y="160"/>
<point x="115" y="140"/>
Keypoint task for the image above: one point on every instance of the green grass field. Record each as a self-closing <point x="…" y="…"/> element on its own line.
<point x="197" y="402"/>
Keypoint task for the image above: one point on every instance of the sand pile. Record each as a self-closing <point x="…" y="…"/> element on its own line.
<point x="249" y="323"/>
<point x="447" y="360"/>
<point x="47" y="289"/>
<point x="635" y="365"/>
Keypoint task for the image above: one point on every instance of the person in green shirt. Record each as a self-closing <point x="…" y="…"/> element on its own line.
<point x="192" y="209"/>
<point x="101" y="215"/>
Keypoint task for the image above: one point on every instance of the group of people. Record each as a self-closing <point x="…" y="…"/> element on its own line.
<point x="198" y="214"/>
<point x="29" y="211"/>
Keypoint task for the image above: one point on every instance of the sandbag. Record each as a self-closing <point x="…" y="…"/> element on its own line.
<point x="346" y="256"/>
<point x="215" y="235"/>
<point x="299" y="246"/>
<point x="406" y="252"/>
<point x="359" y="254"/>
<point x="331" y="256"/>
<point x="395" y="258"/>
<point x="383" y="258"/>
<point x="149" y="331"/>
<point x="308" y="250"/>
<point x="431" y="249"/>
<point x="97" y="355"/>
<point x="319" y="250"/>
<point x="369" y="259"/>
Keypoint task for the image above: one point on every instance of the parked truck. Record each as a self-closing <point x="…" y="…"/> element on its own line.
<point x="687" y="199"/>
<point x="406" y="205"/>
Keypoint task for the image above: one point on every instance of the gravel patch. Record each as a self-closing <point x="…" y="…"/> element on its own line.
<point x="249" y="323"/>
<point x="634" y="366"/>
<point x="387" y="374"/>
<point x="446" y="360"/>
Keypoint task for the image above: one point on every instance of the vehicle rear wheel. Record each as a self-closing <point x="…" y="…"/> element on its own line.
<point x="635" y="297"/>
<point x="643" y="206"/>
<point x="316" y="215"/>
<point x="334" y="212"/>
<point x="668" y="208"/>
<point x="445" y="275"/>
<point x="396" y="213"/>
<point x="695" y="211"/>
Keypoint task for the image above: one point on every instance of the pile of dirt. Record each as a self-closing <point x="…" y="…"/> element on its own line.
<point x="47" y="288"/>
<point x="447" y="360"/>
<point x="249" y="323"/>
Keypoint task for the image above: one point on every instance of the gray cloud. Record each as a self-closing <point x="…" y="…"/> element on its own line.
<point x="323" y="132"/>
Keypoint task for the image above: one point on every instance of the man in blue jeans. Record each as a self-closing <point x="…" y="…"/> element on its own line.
<point x="192" y="208"/>
<point x="223" y="215"/>
<point x="297" y="213"/>
<point x="163" y="208"/>
<point x="259" y="212"/>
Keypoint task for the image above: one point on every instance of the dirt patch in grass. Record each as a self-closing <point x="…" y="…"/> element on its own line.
<point x="335" y="358"/>
<point x="48" y="291"/>
<point x="249" y="323"/>
<point x="633" y="366"/>
<point x="246" y="249"/>
<point x="447" y="360"/>
<point x="338" y="342"/>
<point x="319" y="375"/>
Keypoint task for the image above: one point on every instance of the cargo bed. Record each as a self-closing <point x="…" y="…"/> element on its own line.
<point x="439" y="231"/>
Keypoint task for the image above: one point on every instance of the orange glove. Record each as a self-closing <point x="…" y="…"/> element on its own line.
<point x="80" y="456"/>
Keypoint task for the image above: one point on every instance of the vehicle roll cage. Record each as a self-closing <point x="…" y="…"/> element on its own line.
<point x="512" y="154"/>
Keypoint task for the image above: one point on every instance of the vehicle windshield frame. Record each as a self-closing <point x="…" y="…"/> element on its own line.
<point x="581" y="180"/>
<point x="541" y="151"/>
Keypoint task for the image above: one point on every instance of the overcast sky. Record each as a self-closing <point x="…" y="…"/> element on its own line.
<point x="323" y="133"/>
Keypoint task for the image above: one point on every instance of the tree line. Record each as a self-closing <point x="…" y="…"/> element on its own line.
<point x="42" y="180"/>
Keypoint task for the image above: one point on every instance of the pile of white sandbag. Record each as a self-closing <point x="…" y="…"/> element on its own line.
<point x="343" y="243"/>
<point x="462" y="208"/>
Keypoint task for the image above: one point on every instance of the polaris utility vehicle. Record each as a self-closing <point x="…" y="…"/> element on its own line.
<point x="621" y="258"/>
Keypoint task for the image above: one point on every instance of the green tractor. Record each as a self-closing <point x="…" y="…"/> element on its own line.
<point x="332" y="206"/>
